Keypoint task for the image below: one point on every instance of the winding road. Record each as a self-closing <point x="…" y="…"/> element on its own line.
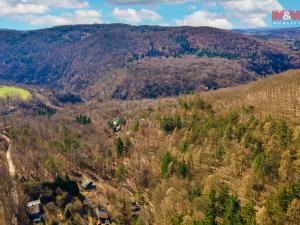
<point x="12" y="173"/>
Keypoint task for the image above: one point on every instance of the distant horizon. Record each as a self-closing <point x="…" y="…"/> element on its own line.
<point x="224" y="14"/>
<point x="141" y="25"/>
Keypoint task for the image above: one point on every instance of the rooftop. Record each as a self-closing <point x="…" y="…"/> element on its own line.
<point x="34" y="203"/>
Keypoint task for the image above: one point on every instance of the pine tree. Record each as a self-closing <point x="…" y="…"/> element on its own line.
<point x="211" y="214"/>
<point x="248" y="214"/>
<point x="119" y="146"/>
<point x="232" y="212"/>
<point x="223" y="198"/>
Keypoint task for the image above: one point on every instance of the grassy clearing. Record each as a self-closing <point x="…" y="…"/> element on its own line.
<point x="14" y="92"/>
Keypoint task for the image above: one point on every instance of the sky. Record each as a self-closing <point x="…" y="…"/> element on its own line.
<point x="225" y="14"/>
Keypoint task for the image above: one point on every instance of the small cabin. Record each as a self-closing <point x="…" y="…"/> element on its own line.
<point x="34" y="209"/>
<point x="102" y="217"/>
<point x="135" y="208"/>
<point x="87" y="184"/>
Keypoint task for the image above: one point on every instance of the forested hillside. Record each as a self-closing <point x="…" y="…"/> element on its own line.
<point x="223" y="157"/>
<point x="134" y="62"/>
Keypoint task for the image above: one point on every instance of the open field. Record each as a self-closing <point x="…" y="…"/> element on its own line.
<point x="11" y="91"/>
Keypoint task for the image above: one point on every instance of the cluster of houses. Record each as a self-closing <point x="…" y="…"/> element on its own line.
<point x="34" y="210"/>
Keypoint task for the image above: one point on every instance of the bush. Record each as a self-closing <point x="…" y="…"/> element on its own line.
<point x="51" y="164"/>
<point x="168" y="124"/>
<point x="184" y="145"/>
<point x="121" y="147"/>
<point x="249" y="214"/>
<point x="178" y="219"/>
<point x="223" y="198"/>
<point x="167" y="159"/>
<point x="171" y="165"/>
<point x="120" y="173"/>
<point x="266" y="164"/>
<point x="83" y="119"/>
<point x="248" y="109"/>
<point x="183" y="169"/>
<point x="219" y="152"/>
<point x="285" y="134"/>
<point x="211" y="213"/>
<point x="277" y="205"/>
<point x="232" y="215"/>
<point x="45" y="111"/>
<point x="195" y="192"/>
<point x="136" y="126"/>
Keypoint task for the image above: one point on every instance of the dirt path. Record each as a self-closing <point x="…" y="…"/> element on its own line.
<point x="46" y="101"/>
<point x="12" y="173"/>
<point x="11" y="166"/>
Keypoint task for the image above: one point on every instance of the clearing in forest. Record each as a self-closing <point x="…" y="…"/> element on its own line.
<point x="14" y="92"/>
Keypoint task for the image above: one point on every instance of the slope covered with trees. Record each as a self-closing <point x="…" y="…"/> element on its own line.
<point x="131" y="62"/>
<point x="191" y="160"/>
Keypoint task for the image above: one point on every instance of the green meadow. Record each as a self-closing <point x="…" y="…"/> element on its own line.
<point x="14" y="92"/>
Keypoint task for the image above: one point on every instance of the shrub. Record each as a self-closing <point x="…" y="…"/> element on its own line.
<point x="136" y="126"/>
<point x="219" y="152"/>
<point x="121" y="147"/>
<point x="248" y="109"/>
<point x="171" y="165"/>
<point x="211" y="213"/>
<point x="51" y="164"/>
<point x="285" y="134"/>
<point x="45" y="111"/>
<point x="277" y="205"/>
<point x="184" y="145"/>
<point x="223" y="198"/>
<point x="197" y="102"/>
<point x="227" y="135"/>
<point x="177" y="220"/>
<point x="167" y="159"/>
<point x="266" y="164"/>
<point x="183" y="169"/>
<point x="120" y="173"/>
<point x="195" y="192"/>
<point x="248" y="214"/>
<point x="253" y="143"/>
<point x="168" y="124"/>
<point x="232" y="214"/>
<point x="83" y="119"/>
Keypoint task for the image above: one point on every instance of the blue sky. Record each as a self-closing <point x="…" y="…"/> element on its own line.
<point x="227" y="14"/>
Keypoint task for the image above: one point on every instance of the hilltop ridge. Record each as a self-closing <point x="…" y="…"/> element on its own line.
<point x="133" y="62"/>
